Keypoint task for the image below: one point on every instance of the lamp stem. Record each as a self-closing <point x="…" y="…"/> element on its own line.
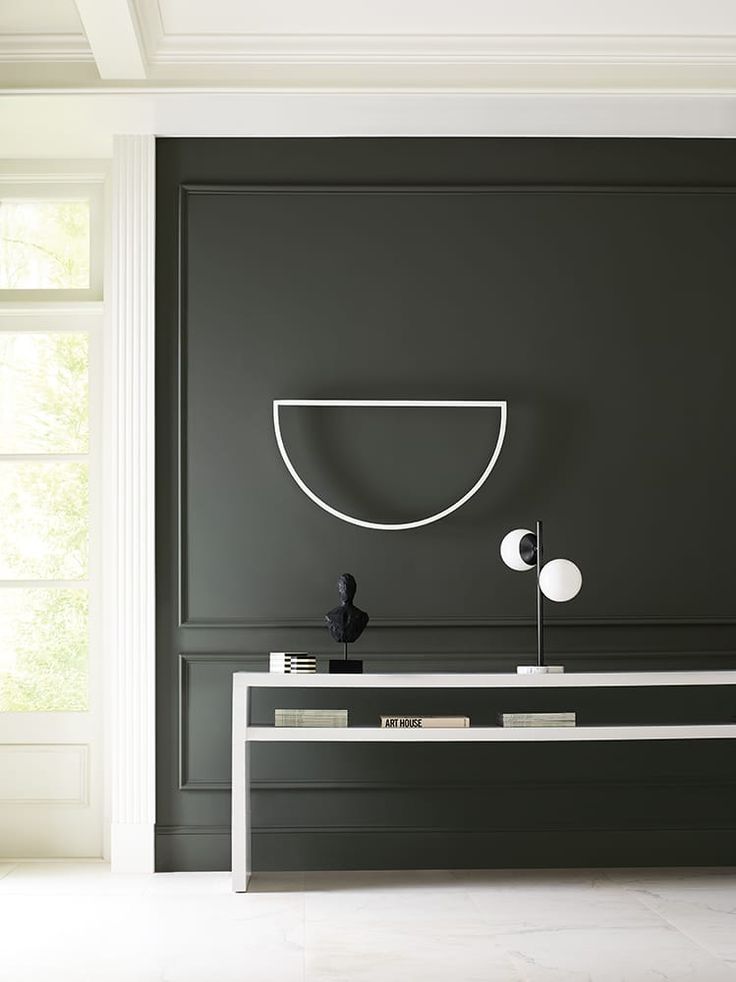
<point x="345" y="644"/>
<point x="540" y="600"/>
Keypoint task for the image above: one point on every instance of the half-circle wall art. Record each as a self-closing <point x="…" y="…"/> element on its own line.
<point x="497" y="405"/>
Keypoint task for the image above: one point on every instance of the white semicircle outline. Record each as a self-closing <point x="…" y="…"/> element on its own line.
<point x="501" y="405"/>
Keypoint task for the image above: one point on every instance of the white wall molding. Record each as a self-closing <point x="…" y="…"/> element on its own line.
<point x="409" y="49"/>
<point x="130" y="588"/>
<point x="82" y="124"/>
<point x="44" y="48"/>
<point x="623" y="45"/>
<point x="583" y="63"/>
<point x="184" y="33"/>
<point x="44" y="773"/>
<point x="34" y="172"/>
<point x="129" y="43"/>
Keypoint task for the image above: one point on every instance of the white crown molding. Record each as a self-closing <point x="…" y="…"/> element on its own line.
<point x="544" y="62"/>
<point x="249" y="49"/>
<point x="50" y="48"/>
<point x="130" y="593"/>
<point x="376" y="63"/>
<point x="130" y="43"/>
<point x="559" y="64"/>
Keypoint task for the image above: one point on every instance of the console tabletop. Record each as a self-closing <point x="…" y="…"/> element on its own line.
<point x="467" y="680"/>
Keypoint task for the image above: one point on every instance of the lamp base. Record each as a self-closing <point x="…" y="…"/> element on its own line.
<point x="539" y="669"/>
<point x="339" y="666"/>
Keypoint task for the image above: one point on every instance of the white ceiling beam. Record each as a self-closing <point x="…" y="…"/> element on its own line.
<point x="113" y="34"/>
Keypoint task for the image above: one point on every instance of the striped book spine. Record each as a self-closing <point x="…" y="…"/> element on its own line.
<point x="292" y="663"/>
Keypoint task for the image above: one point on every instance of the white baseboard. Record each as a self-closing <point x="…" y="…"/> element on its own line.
<point x="132" y="847"/>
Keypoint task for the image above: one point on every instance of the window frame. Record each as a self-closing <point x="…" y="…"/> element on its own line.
<point x="63" y="190"/>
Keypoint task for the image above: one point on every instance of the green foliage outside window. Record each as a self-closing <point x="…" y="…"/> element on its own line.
<point x="49" y="634"/>
<point x="44" y="526"/>
<point x="44" y="244"/>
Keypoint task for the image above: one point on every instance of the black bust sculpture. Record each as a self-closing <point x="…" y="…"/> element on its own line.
<point x="347" y="622"/>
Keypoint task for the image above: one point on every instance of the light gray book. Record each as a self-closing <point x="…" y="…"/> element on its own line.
<point x="538" y="719"/>
<point x="310" y="717"/>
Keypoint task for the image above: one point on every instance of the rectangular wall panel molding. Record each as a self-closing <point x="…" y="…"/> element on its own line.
<point x="206" y="581"/>
<point x="204" y="722"/>
<point x="44" y="774"/>
<point x="202" y="729"/>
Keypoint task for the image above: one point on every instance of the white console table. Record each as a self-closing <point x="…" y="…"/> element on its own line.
<point x="244" y="734"/>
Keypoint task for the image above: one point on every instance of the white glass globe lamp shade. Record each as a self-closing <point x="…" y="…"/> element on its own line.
<point x="510" y="550"/>
<point x="560" y="580"/>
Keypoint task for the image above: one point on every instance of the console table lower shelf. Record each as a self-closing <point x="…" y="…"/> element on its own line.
<point x="244" y="735"/>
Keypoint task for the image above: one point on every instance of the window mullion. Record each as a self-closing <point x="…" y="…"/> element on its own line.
<point x="20" y="584"/>
<point x="41" y="457"/>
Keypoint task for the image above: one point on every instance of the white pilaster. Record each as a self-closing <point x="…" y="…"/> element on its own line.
<point x="129" y="521"/>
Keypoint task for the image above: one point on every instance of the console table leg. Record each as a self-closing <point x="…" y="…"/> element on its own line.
<point x="241" y="851"/>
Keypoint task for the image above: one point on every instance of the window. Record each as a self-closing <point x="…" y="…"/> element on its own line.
<point x="45" y="528"/>
<point x="46" y="237"/>
<point x="50" y="250"/>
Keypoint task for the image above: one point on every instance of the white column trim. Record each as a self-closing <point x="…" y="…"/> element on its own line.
<point x="130" y="584"/>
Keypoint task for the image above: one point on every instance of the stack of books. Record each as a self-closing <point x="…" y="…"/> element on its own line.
<point x="425" y="722"/>
<point x="292" y="662"/>
<point x="537" y="719"/>
<point x="310" y="717"/>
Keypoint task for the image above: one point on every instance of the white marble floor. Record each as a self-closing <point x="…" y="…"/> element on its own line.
<point x="78" y="923"/>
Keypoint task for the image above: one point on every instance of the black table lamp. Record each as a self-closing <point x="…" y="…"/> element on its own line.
<point x="559" y="580"/>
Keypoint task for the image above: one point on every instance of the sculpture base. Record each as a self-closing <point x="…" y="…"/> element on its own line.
<point x="539" y="669"/>
<point x="339" y="666"/>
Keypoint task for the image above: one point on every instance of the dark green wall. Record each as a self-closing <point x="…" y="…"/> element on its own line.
<point x="588" y="282"/>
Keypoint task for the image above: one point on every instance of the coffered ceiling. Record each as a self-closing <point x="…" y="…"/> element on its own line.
<point x="456" y="45"/>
